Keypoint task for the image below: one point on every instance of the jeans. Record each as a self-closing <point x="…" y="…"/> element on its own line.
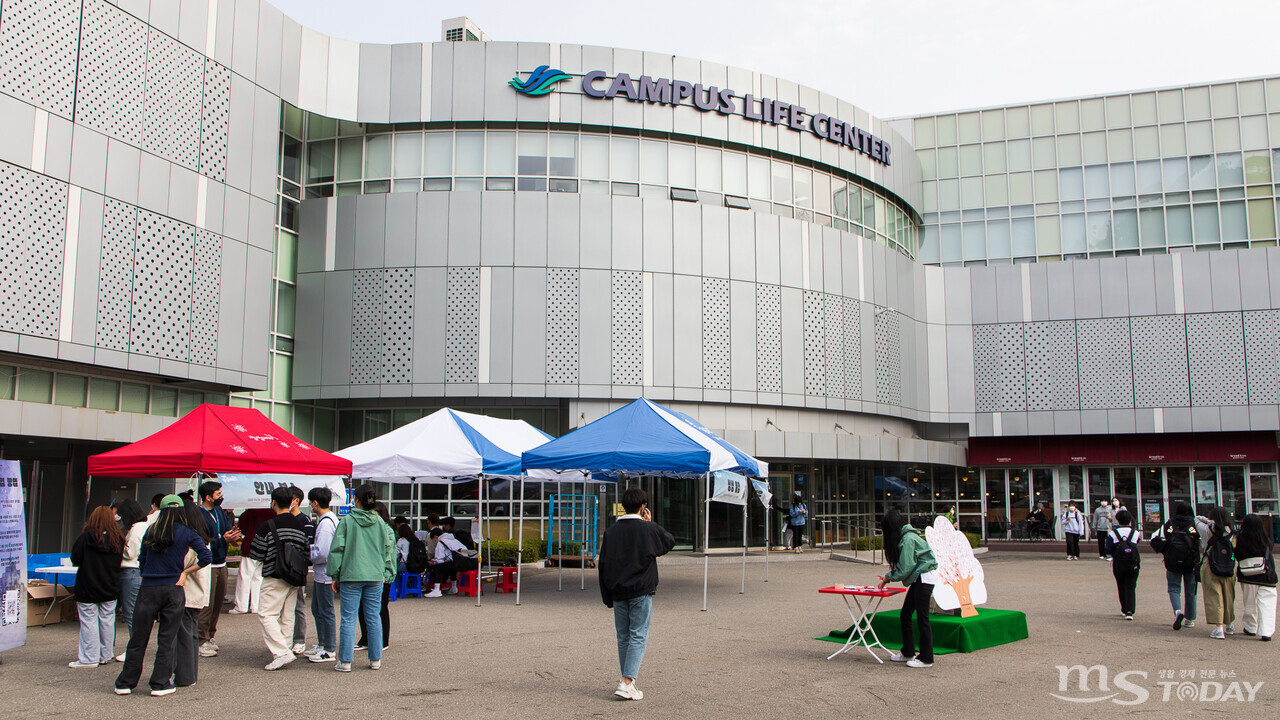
<point x="300" y="617"/>
<point x="155" y="602"/>
<point x="322" y="612"/>
<point x="97" y="631"/>
<point x="917" y="601"/>
<point x="1178" y="581"/>
<point x="631" y="621"/>
<point x="361" y="597"/>
<point x="384" y="615"/>
<point x="186" y="649"/>
<point x="209" y="615"/>
<point x="130" y="581"/>
<point x="1127" y="587"/>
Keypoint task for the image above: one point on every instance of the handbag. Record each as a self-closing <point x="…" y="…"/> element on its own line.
<point x="1252" y="566"/>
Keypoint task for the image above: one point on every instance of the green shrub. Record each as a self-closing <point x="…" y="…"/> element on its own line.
<point x="975" y="540"/>
<point x="564" y="548"/>
<point x="500" y="550"/>
<point x="866" y="543"/>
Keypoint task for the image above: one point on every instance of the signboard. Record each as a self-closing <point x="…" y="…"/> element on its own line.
<point x="254" y="491"/>
<point x="762" y="492"/>
<point x="1206" y="492"/>
<point x="13" y="559"/>
<point x="959" y="582"/>
<point x="1151" y="513"/>
<point x="727" y="487"/>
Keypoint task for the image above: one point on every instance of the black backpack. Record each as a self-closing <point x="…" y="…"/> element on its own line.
<point x="1181" y="548"/>
<point x="1124" y="552"/>
<point x="291" y="561"/>
<point x="416" y="561"/>
<point x="1221" y="556"/>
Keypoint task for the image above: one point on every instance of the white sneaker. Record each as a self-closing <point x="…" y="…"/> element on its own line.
<point x="628" y="692"/>
<point x="78" y="664"/>
<point x="120" y="657"/>
<point x="1189" y="623"/>
<point x="123" y="691"/>
<point x="315" y="649"/>
<point x="1217" y="634"/>
<point x="915" y="663"/>
<point x="1128" y="617"/>
<point x="321" y="656"/>
<point x="897" y="656"/>
<point x="1231" y="629"/>
<point x="375" y="664"/>
<point x="452" y="590"/>
<point x="207" y="650"/>
<point x="237" y="611"/>
<point x="342" y="667"/>
<point x="213" y="644"/>
<point x="164" y="691"/>
<point x="280" y="662"/>
<point x="299" y="648"/>
<point x="435" y="593"/>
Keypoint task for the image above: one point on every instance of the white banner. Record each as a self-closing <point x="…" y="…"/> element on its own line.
<point x="13" y="558"/>
<point x="728" y="487"/>
<point x="254" y="491"/>
<point x="762" y="492"/>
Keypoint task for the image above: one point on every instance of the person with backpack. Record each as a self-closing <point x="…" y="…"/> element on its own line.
<point x="1126" y="561"/>
<point x="1103" y="518"/>
<point x="1073" y="527"/>
<point x="1179" y="542"/>
<point x="1218" y="572"/>
<point x="282" y="547"/>
<point x="1256" y="572"/>
<point x="362" y="557"/>
<point x="416" y="559"/>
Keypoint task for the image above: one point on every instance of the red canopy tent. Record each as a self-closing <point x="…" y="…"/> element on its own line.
<point x="212" y="439"/>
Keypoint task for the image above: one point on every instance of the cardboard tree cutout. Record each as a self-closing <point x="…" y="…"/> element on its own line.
<point x="958" y="582"/>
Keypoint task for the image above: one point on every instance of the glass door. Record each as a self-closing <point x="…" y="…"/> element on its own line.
<point x="1154" y="510"/>
<point x="1099" y="487"/>
<point x="997" y="521"/>
<point x="674" y="504"/>
<point x="1233" y="498"/>
<point x="1206" y="489"/>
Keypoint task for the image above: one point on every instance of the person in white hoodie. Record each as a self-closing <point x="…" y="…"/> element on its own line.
<point x="326" y="647"/>
<point x="1073" y="527"/>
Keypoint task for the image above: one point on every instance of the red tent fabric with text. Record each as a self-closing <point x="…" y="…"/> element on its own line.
<point x="214" y="439"/>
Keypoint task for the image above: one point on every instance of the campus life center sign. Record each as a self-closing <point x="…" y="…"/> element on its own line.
<point x="598" y="84"/>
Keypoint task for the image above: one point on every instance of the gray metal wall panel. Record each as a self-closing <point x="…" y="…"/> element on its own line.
<point x="244" y="55"/>
<point x="626" y="343"/>
<point x="257" y="323"/>
<point x="715" y="241"/>
<point x="225" y="33"/>
<point x="1008" y="287"/>
<point x="266" y="145"/>
<point x="1262" y="356"/>
<point x="792" y="341"/>
<point x="563" y="291"/>
<point x="462" y="324"/>
<point x="663" y="331"/>
<point x="529" y="326"/>
<point x="39" y="43"/>
<point x="531" y="231"/>
<point x="768" y="257"/>
<point x="658" y="236"/>
<point x="742" y="245"/>
<point x="1160" y="361"/>
<point x="1141" y="279"/>
<point x="742" y="337"/>
<point x="235" y="215"/>
<point x="183" y="188"/>
<point x="686" y="238"/>
<point x="499" y="66"/>
<point x="1106" y="363"/>
<point x="1000" y="375"/>
<point x="832" y="261"/>
<point x="715" y="334"/>
<point x="1165" y="303"/>
<point x="270" y="27"/>
<point x="441" y="81"/>
<point x="502" y="347"/>
<point x="1255" y="286"/>
<point x="240" y="133"/>
<point x="1224" y="273"/>
<point x="371" y="231"/>
<point x="627" y="233"/>
<point x="231" y="335"/>
<point x="529" y="56"/>
<point x="57" y="156"/>
<point x="595" y="225"/>
<point x="429" y="322"/>
<point x="1053" y="381"/>
<point x="1215" y="343"/>
<point x="406" y="82"/>
<point x="984" y="299"/>
<point x="373" y="102"/>
<point x="1114" y="278"/>
<point x="687" y="328"/>
<point x="88" y="260"/>
<point x="562" y="230"/>
<point x="791" y="253"/>
<point x="879" y="286"/>
<point x="464" y="229"/>
<point x="433" y="231"/>
<point x="497" y="228"/>
<point x="290" y="60"/>
<point x="959" y="295"/>
<point x="1062" y="298"/>
<point x="89" y="159"/>
<point x="345" y="233"/>
<point x="153" y="184"/>
<point x="814" y="264"/>
<point x="309" y="325"/>
<point x="594" y="366"/>
<point x="1088" y="288"/>
<point x="401" y="230"/>
<point x="1197" y="282"/>
<point x="468" y="75"/>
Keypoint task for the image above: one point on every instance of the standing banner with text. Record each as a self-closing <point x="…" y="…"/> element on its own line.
<point x="762" y="492"/>
<point x="254" y="491"/>
<point x="727" y="487"/>
<point x="13" y="559"/>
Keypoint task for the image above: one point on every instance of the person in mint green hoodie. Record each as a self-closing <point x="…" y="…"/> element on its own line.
<point x="362" y="557"/>
<point x="909" y="557"/>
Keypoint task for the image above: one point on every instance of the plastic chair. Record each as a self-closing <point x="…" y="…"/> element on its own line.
<point x="410" y="584"/>
<point x="506" y="581"/>
<point x="469" y="583"/>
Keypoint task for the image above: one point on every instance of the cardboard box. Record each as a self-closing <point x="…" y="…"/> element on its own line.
<point x="40" y="595"/>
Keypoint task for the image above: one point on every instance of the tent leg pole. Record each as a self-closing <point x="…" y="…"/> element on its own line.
<point x="706" y="541"/>
<point x="767" y="540"/>
<point x="560" y="556"/>
<point x="520" y="545"/>
<point x="480" y="519"/>
<point x="744" y="548"/>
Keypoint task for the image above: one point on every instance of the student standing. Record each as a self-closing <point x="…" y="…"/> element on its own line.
<point x="162" y="561"/>
<point x="362" y="559"/>
<point x="300" y="607"/>
<point x="1103" y="518"/>
<point x="326" y="648"/>
<point x="249" y="576"/>
<point x="276" y="605"/>
<point x="909" y="557"/>
<point x="222" y="531"/>
<point x="384" y="611"/>
<point x="1218" y="571"/>
<point x="628" y="574"/>
<point x="97" y="554"/>
<point x="196" y="596"/>
<point x="1073" y="528"/>
<point x="1126" y="561"/>
<point x="1256" y="572"/>
<point x="133" y="523"/>
<point x="797" y="517"/>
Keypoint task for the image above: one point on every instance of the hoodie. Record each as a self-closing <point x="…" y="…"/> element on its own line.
<point x="915" y="557"/>
<point x="363" y="549"/>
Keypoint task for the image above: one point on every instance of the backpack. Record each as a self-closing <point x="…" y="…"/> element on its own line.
<point x="1124" y="552"/>
<point x="1181" y="548"/>
<point x="1221" y="556"/>
<point x="416" y="561"/>
<point x="291" y="561"/>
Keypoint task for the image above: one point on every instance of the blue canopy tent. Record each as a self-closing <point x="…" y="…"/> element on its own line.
<point x="644" y="438"/>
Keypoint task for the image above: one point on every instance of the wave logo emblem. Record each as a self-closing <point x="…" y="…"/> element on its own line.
<point x="541" y="81"/>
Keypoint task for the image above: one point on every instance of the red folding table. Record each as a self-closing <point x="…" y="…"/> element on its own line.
<point x="861" y="630"/>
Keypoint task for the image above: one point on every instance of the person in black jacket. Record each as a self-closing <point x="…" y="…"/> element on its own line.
<point x="97" y="554"/>
<point x="628" y="574"/>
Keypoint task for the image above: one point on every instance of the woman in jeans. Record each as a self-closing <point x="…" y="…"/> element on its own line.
<point x="909" y="557"/>
<point x="97" y="555"/>
<point x="133" y="523"/>
<point x="384" y="613"/>
<point x="1179" y="542"/>
<point x="362" y="559"/>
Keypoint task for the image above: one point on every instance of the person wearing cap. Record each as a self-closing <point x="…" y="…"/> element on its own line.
<point x="164" y="570"/>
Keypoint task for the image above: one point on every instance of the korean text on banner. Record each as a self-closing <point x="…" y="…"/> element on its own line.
<point x="254" y="491"/>
<point x="762" y="492"/>
<point x="13" y="559"/>
<point x="729" y="488"/>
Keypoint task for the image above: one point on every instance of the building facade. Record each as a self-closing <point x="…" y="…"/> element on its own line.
<point x="206" y="202"/>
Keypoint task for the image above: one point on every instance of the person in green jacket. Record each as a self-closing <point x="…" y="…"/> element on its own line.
<point x="362" y="557"/>
<point x="909" y="557"/>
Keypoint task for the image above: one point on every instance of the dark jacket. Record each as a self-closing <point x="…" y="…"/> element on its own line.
<point x="292" y="529"/>
<point x="98" y="576"/>
<point x="628" y="553"/>
<point x="1245" y="549"/>
<point x="164" y="567"/>
<point x="218" y="521"/>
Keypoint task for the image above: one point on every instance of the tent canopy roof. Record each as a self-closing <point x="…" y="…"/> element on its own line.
<point x="213" y="439"/>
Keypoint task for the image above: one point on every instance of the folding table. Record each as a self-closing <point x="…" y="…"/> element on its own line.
<point x="861" y="614"/>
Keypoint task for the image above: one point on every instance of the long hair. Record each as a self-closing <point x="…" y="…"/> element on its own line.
<point x="106" y="533"/>
<point x="195" y="518"/>
<point x="365" y="496"/>
<point x="891" y="529"/>
<point x="1252" y="535"/>
<point x="406" y="532"/>
<point x="381" y="508"/>
<point x="1221" y="518"/>
<point x="130" y="513"/>
<point x="160" y="535"/>
<point x="1182" y="508"/>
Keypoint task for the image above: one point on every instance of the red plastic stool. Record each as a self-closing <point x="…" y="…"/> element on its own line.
<point x="469" y="583"/>
<point x="506" y="580"/>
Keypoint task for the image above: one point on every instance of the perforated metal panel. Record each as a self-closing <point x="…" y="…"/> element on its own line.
<point x="852" y="321"/>
<point x="815" y="361"/>
<point x="715" y="333"/>
<point x="888" y="329"/>
<point x="1262" y="356"/>
<point x="562" y="326"/>
<point x="999" y="367"/>
<point x="366" y="327"/>
<point x="175" y="76"/>
<point x="206" y="292"/>
<point x="462" y="325"/>
<point x="1106" y="363"/>
<point x="769" y="338"/>
<point x="834" y="343"/>
<point x="115" y="275"/>
<point x="627" y="332"/>
<point x="1160" y="361"/>
<point x="397" y="326"/>
<point x="1053" y="382"/>
<point x="33" y="212"/>
<point x="1215" y="345"/>
<point x="214" y="118"/>
<point x="163" y="258"/>
<point x="112" y="71"/>
<point x="38" y="44"/>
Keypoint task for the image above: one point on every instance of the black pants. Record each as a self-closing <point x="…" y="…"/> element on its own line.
<point x="1127" y="586"/>
<point x="797" y="535"/>
<point x="1073" y="545"/>
<point x="917" y="601"/>
<point x="186" y="657"/>
<point x="386" y="620"/>
<point x="163" y="603"/>
<point x="1102" y="543"/>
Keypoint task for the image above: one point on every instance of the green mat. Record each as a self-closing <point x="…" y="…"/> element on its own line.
<point x="950" y="633"/>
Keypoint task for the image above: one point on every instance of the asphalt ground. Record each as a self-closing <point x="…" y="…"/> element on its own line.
<point x="750" y="655"/>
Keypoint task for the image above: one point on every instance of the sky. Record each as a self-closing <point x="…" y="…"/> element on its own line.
<point x="893" y="59"/>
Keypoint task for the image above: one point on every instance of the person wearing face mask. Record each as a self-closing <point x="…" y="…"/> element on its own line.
<point x="222" y="530"/>
<point x="1103" y="516"/>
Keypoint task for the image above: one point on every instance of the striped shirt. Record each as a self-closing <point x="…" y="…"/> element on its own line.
<point x="292" y="529"/>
